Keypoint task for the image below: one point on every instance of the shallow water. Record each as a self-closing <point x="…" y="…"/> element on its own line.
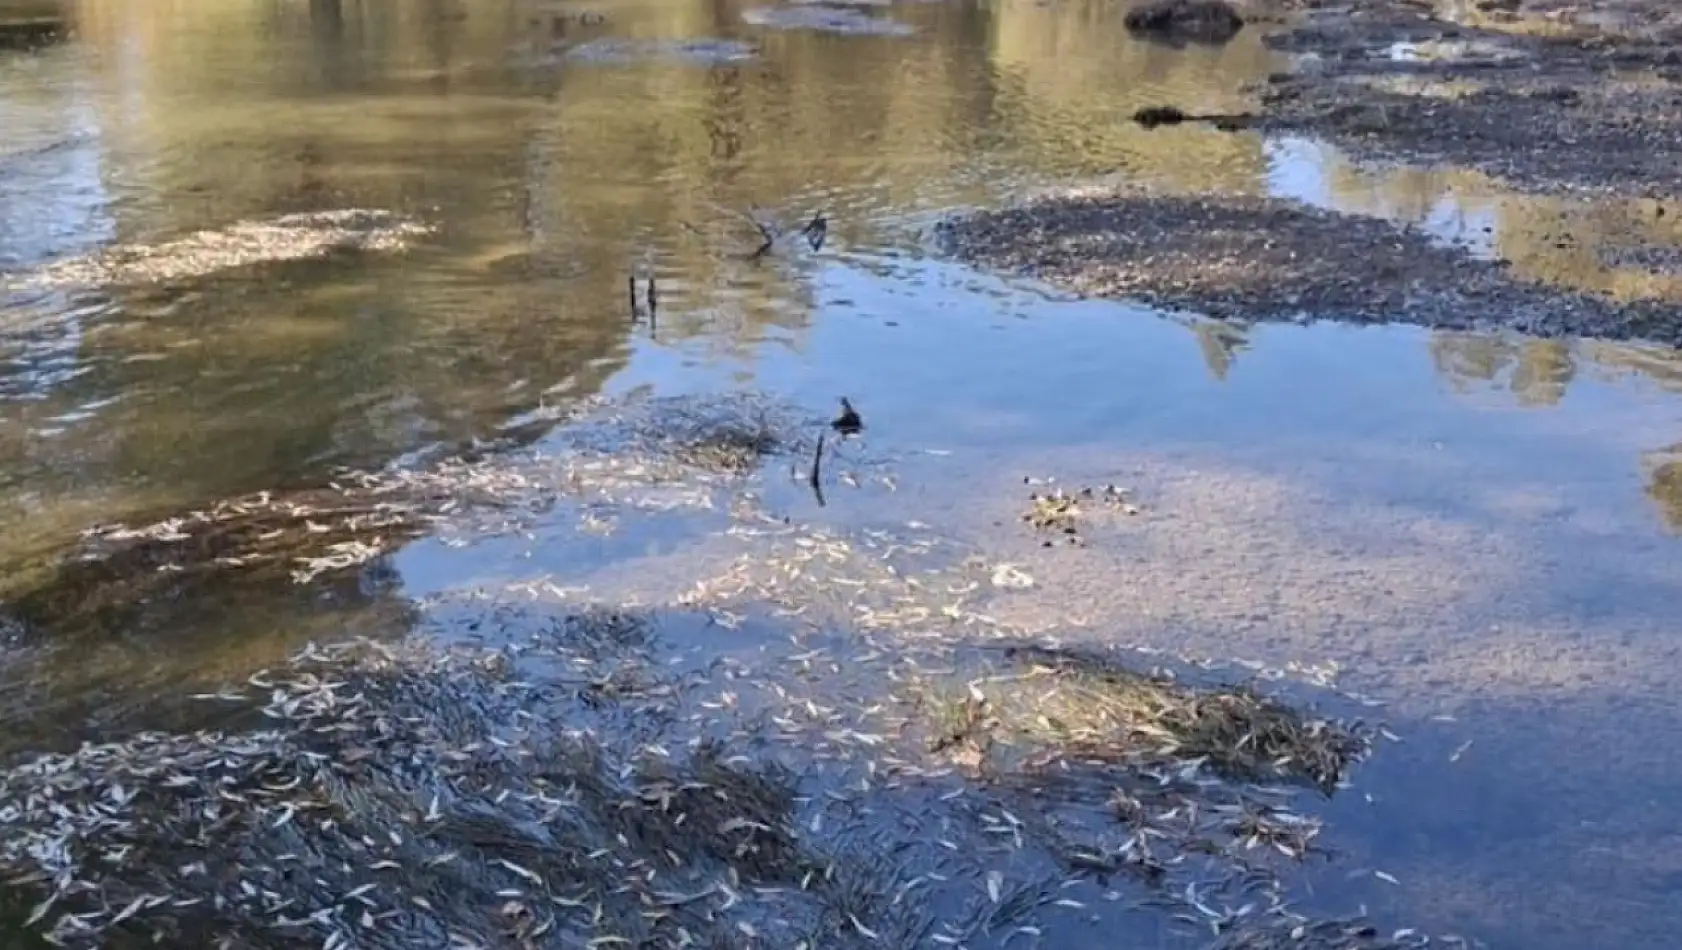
<point x="1475" y="526"/>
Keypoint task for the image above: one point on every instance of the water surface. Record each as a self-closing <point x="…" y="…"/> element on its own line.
<point x="1477" y="527"/>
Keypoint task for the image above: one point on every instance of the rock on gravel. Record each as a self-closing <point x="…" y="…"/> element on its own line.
<point x="1178" y="22"/>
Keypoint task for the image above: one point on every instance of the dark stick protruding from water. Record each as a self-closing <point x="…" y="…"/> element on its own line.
<point x="815" y="479"/>
<point x="631" y="289"/>
<point x="769" y="240"/>
<point x="651" y="299"/>
<point x="816" y="230"/>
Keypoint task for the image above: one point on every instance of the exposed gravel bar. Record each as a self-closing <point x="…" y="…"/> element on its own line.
<point x="1270" y="259"/>
<point x="1586" y="98"/>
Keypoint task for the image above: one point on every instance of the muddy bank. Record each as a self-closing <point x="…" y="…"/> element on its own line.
<point x="1586" y="98"/>
<point x="1267" y="259"/>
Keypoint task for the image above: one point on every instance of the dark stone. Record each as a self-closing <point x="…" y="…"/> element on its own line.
<point x="1178" y="22"/>
<point x="31" y="33"/>
<point x="1152" y="116"/>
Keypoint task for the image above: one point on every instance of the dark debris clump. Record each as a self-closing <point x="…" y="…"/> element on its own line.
<point x="1178" y="22"/>
<point x="1059" y="511"/>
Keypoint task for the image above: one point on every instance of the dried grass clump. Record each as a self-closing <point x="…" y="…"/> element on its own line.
<point x="1191" y="792"/>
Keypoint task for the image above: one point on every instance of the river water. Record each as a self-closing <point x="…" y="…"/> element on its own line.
<point x="1481" y="529"/>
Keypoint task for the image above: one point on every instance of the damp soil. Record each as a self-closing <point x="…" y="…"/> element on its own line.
<point x="1251" y="258"/>
<point x="1545" y="96"/>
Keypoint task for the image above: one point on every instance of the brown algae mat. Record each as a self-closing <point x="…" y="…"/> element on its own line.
<point x="1231" y="256"/>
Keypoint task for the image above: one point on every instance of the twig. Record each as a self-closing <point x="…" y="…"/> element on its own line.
<point x="817" y="469"/>
<point x="770" y="239"/>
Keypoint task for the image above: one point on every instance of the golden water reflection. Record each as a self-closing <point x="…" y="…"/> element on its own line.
<point x="554" y="176"/>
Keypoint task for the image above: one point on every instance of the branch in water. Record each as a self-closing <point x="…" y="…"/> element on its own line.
<point x="817" y="468"/>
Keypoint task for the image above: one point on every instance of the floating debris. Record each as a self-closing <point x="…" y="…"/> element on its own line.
<point x="1092" y="708"/>
<point x="692" y="52"/>
<point x="286" y="238"/>
<point x="825" y="18"/>
<point x="403" y="793"/>
<point x="1060" y="511"/>
<point x="1011" y="577"/>
<point x="830" y="743"/>
<point x="1151" y="117"/>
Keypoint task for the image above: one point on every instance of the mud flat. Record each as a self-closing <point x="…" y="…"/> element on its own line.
<point x="1545" y="96"/>
<point x="1269" y="259"/>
